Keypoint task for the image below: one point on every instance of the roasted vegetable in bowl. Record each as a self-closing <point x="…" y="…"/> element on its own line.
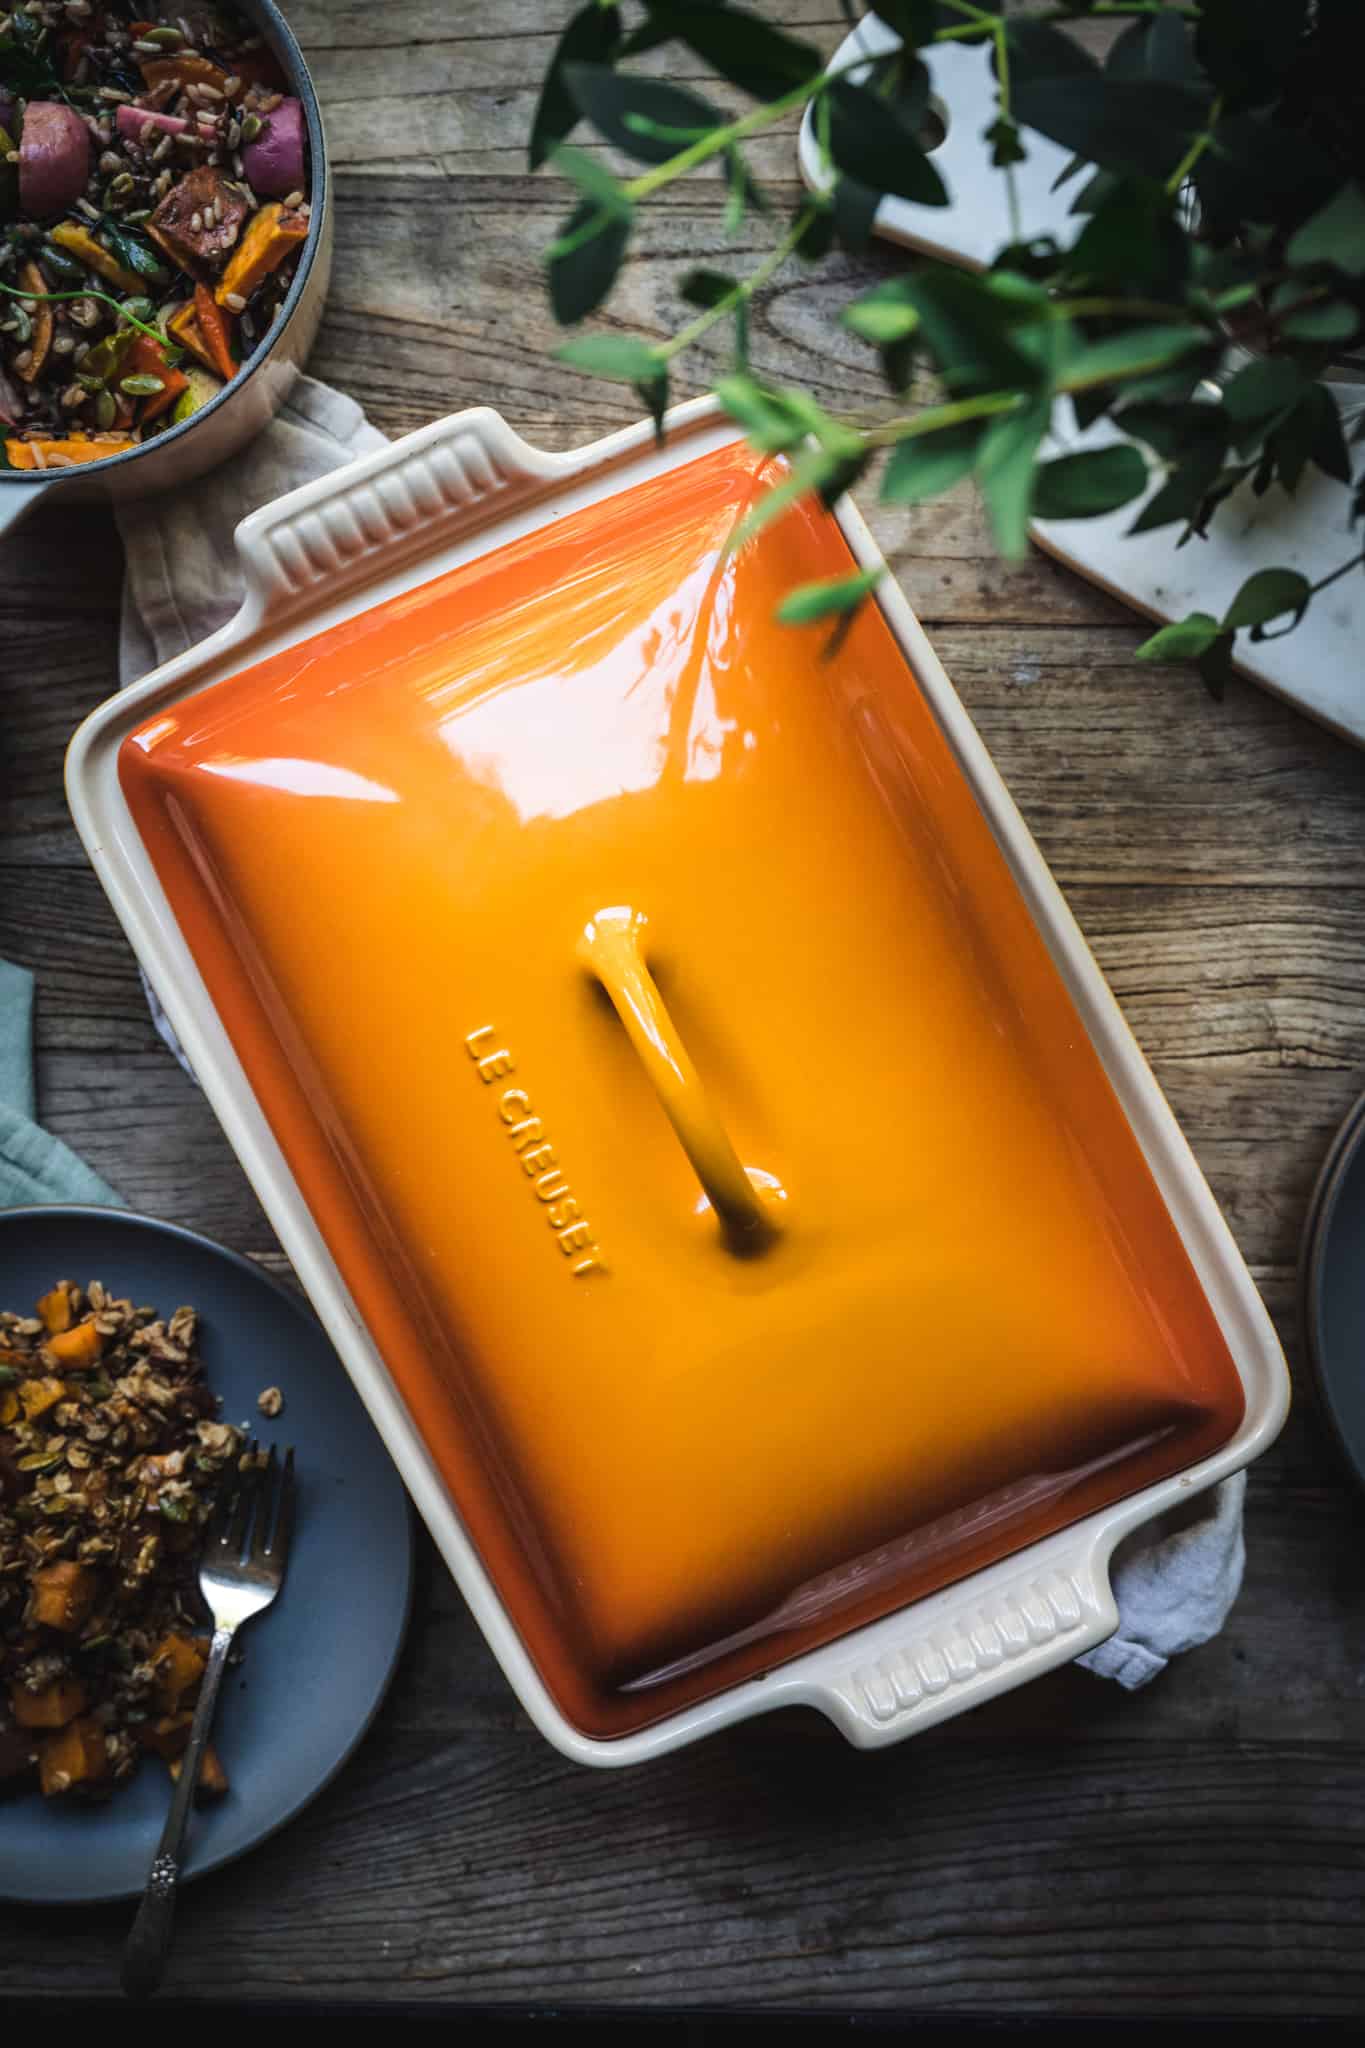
<point x="154" y="197"/>
<point x="111" y="1457"/>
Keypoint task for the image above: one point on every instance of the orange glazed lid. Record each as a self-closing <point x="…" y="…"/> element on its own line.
<point x="683" y="1088"/>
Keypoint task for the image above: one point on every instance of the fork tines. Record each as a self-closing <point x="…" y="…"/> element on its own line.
<point x="256" y="1506"/>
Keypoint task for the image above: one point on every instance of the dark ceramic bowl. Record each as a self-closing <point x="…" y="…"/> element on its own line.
<point x="264" y="380"/>
<point x="1332" y="1289"/>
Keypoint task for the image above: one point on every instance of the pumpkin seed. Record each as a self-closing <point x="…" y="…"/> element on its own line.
<point x="141" y="385"/>
<point x="164" y="38"/>
<point x="251" y="127"/>
<point x="105" y="409"/>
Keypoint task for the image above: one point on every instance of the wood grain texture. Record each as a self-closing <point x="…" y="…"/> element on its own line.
<point x="1197" y="1848"/>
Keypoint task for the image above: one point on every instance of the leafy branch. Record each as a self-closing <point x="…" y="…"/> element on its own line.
<point x="1134" y="318"/>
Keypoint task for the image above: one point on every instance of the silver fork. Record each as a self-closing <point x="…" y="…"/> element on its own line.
<point x="240" y="1573"/>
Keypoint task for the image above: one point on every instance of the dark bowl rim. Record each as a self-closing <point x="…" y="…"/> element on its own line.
<point x="282" y="39"/>
<point x="105" y="1213"/>
<point x="1322" y="1203"/>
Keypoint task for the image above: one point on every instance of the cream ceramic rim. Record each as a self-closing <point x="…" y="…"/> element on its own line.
<point x="395" y="519"/>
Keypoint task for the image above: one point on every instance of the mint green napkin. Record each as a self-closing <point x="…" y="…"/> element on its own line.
<point x="34" y="1166"/>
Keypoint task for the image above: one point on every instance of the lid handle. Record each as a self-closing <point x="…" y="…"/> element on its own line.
<point x="610" y="949"/>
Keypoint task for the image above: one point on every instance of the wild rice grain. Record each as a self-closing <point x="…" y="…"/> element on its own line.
<point x="196" y="223"/>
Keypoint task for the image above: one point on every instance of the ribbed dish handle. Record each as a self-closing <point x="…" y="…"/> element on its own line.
<point x="434" y="486"/>
<point x="967" y="1648"/>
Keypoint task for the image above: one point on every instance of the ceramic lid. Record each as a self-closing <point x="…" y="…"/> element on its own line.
<point x="683" y="1088"/>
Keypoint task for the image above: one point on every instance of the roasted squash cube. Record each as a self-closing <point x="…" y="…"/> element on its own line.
<point x="53" y="1707"/>
<point x="37" y="1396"/>
<point x="63" y="1595"/>
<point x="179" y="1664"/>
<point x="74" y="1758"/>
<point x="166" y="1736"/>
<point x="55" y="1308"/>
<point x="213" y="1779"/>
<point x="78" y="1347"/>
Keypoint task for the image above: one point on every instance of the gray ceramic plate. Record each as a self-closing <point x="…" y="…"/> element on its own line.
<point x="1333" y="1284"/>
<point x="316" y="1667"/>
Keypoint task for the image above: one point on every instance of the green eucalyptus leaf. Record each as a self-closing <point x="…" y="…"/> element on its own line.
<point x="653" y="394"/>
<point x="869" y="141"/>
<point x="814" y="470"/>
<point x="592" y="37"/>
<point x="1158" y="49"/>
<point x="1263" y="389"/>
<point x="854" y="207"/>
<point x="1131" y="241"/>
<point x="743" y="193"/>
<point x="1005" y="470"/>
<point x="969" y="330"/>
<point x="765" y="416"/>
<point x="1246" y="51"/>
<point x="1257" y="170"/>
<point x="817" y="238"/>
<point x="1336" y="235"/>
<point x="593" y="179"/>
<point x="707" y="288"/>
<point x="1182" y="640"/>
<point x="1335" y="320"/>
<point x="827" y="599"/>
<point x="1131" y="123"/>
<point x="585" y="260"/>
<point x="1183" y="491"/>
<point x="761" y="60"/>
<point x="882" y="315"/>
<point x="1006" y="147"/>
<point x="1267" y="595"/>
<point x="620" y="357"/>
<point x="1327" y="441"/>
<point x="913" y="20"/>
<point x="928" y="464"/>
<point x="1215" y="666"/>
<point x="1084" y="485"/>
<point x="1136" y="350"/>
<point x="643" y="117"/>
<point x="1171" y="429"/>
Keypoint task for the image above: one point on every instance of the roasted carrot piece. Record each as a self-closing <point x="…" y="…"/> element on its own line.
<point x="81" y="243"/>
<point x="147" y="358"/>
<point x="215" y="326"/>
<point x="60" y="453"/>
<point x="267" y="240"/>
<point x="32" y="280"/>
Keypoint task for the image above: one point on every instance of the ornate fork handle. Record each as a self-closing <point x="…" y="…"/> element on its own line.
<point x="144" y="1958"/>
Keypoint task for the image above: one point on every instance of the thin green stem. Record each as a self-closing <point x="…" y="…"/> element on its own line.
<point x="1002" y="100"/>
<point x="155" y="333"/>
<point x="1196" y="149"/>
<point x="1354" y="563"/>
<point x="953" y="414"/>
<point x="744" y="290"/>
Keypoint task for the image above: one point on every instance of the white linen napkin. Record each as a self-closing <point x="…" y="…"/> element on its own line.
<point x="1174" y="1580"/>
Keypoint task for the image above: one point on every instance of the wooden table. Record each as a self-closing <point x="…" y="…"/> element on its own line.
<point x="1197" y="1847"/>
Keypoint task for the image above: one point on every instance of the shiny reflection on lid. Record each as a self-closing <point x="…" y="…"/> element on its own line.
<point x="302" y="778"/>
<point x="642" y="706"/>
